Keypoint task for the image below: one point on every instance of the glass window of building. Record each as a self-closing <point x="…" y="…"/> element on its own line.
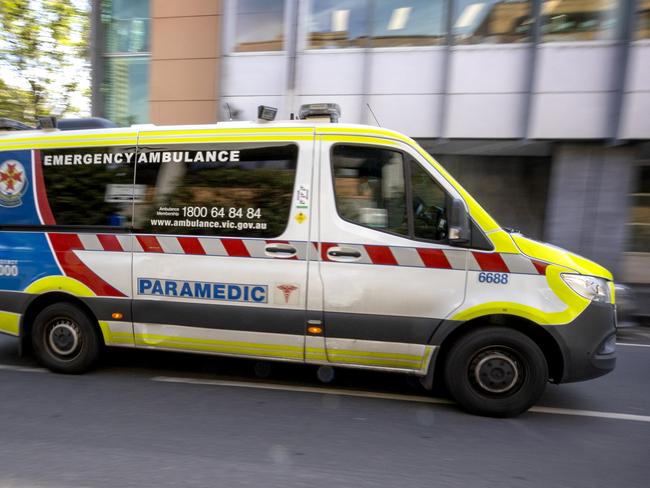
<point x="639" y="224"/>
<point x="125" y="83"/>
<point x="491" y="22"/>
<point x="578" y="20"/>
<point x="408" y="22"/>
<point x="126" y="25"/>
<point x="338" y="23"/>
<point x="643" y="19"/>
<point x="126" y="89"/>
<point x="259" y="25"/>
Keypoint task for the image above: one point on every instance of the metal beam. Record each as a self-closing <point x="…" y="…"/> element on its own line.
<point x="531" y="68"/>
<point x="446" y="66"/>
<point x="367" y="64"/>
<point x="291" y="48"/>
<point x="624" y="35"/>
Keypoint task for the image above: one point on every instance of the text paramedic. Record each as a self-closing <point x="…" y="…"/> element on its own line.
<point x="223" y="156"/>
<point x="231" y="292"/>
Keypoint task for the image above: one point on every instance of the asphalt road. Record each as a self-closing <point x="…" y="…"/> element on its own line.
<point x="160" y="419"/>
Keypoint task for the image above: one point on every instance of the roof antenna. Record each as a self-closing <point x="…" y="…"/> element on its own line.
<point x="229" y="112"/>
<point x="373" y="115"/>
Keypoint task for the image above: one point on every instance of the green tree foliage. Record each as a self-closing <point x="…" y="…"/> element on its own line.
<point x="41" y="43"/>
<point x="12" y="101"/>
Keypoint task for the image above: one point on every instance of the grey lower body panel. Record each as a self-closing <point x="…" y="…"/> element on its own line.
<point x="382" y="328"/>
<point x="578" y="341"/>
<point x="14" y="302"/>
<point x="581" y="340"/>
<point x="413" y="330"/>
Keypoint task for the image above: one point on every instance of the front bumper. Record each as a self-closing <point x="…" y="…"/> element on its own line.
<point x="581" y="343"/>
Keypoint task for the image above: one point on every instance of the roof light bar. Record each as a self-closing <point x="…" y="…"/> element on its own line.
<point x="265" y="112"/>
<point x="329" y="112"/>
<point x="47" y="122"/>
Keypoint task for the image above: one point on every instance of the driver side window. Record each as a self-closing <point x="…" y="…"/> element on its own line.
<point x="429" y="202"/>
<point x="371" y="188"/>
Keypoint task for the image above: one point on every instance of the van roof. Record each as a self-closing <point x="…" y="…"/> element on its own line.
<point x="39" y="135"/>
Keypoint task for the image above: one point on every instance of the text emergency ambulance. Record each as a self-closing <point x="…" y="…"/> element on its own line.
<point x="327" y="244"/>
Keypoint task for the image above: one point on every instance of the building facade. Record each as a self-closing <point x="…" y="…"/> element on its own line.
<point x="540" y="108"/>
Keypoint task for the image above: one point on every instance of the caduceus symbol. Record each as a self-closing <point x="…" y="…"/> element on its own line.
<point x="287" y="290"/>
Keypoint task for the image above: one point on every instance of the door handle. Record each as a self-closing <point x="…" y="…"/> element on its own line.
<point x="343" y="254"/>
<point x="279" y="250"/>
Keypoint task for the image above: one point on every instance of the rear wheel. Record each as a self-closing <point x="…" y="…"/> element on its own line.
<point x="496" y="371"/>
<point x="65" y="339"/>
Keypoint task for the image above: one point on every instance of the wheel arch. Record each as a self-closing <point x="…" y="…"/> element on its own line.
<point x="39" y="303"/>
<point x="448" y="334"/>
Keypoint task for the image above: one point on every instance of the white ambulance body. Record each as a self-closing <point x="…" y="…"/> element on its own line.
<point x="330" y="244"/>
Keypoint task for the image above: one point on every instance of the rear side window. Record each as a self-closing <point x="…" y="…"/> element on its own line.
<point x="241" y="190"/>
<point x="91" y="186"/>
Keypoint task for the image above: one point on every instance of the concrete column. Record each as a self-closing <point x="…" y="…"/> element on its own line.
<point x="185" y="61"/>
<point x="587" y="203"/>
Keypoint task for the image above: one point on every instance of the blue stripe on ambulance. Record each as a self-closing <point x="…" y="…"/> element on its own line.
<point x="24" y="256"/>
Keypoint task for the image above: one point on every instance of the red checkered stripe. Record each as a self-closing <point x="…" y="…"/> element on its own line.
<point x="419" y="257"/>
<point x="199" y="246"/>
<point x="256" y="248"/>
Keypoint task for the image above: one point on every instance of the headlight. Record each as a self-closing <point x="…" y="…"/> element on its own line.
<point x="590" y="287"/>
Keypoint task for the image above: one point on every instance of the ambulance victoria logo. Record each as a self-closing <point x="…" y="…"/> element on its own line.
<point x="13" y="183"/>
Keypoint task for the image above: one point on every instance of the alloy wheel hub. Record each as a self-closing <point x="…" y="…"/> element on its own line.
<point x="495" y="371"/>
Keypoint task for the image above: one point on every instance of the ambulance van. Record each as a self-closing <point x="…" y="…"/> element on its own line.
<point x="321" y="243"/>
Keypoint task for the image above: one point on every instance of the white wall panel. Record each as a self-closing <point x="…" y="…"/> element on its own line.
<point x="414" y="115"/>
<point x="330" y="72"/>
<point x="638" y="78"/>
<point x="489" y="69"/>
<point x="570" y="115"/>
<point x="406" y="71"/>
<point x="572" y="90"/>
<point x="254" y="75"/>
<point x="635" y="120"/>
<point x="485" y="91"/>
<point x="575" y="67"/>
<point x="484" y="115"/>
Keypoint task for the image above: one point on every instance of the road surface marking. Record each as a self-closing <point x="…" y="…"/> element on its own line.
<point x="389" y="396"/>
<point x="591" y="413"/>
<point x="303" y="389"/>
<point x="23" y="369"/>
<point x="630" y="344"/>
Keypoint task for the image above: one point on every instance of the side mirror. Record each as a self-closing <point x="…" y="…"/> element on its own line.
<point x="459" y="227"/>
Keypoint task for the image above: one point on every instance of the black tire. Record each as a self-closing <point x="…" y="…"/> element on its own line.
<point x="65" y="339"/>
<point x="495" y="371"/>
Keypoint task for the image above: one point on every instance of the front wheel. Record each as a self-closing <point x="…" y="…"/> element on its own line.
<point x="496" y="371"/>
<point x="65" y="339"/>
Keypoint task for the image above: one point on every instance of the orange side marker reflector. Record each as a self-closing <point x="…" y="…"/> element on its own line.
<point x="117" y="315"/>
<point x="315" y="330"/>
